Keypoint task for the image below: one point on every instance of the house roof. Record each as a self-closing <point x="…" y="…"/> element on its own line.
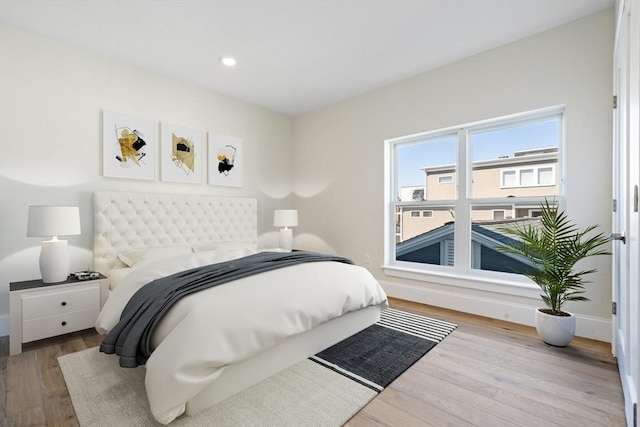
<point x="486" y="233"/>
<point x="540" y="155"/>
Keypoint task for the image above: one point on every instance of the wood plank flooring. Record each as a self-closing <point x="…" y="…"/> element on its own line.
<point x="486" y="373"/>
<point x="493" y="373"/>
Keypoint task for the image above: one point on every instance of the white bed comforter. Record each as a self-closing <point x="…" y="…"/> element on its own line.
<point x="210" y="330"/>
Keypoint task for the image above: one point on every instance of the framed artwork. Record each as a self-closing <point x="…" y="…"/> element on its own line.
<point x="225" y="160"/>
<point x="182" y="157"/>
<point x="128" y="146"/>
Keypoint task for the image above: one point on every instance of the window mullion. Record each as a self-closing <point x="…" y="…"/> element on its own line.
<point x="463" y="217"/>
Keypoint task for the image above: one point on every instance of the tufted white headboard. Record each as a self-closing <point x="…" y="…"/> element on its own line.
<point x="125" y="221"/>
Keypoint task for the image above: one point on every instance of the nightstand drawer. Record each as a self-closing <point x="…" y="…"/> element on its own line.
<point x="59" y="324"/>
<point x="45" y="304"/>
<point x="42" y="310"/>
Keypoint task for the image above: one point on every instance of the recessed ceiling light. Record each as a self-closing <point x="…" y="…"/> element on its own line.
<point x="228" y="61"/>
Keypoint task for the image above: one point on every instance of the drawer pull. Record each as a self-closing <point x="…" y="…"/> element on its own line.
<point x="64" y="323"/>
<point x="63" y="303"/>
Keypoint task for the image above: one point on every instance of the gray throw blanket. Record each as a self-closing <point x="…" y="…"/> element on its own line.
<point x="131" y="337"/>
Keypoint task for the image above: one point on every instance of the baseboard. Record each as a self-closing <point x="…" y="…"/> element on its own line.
<point x="591" y="327"/>
<point x="4" y="325"/>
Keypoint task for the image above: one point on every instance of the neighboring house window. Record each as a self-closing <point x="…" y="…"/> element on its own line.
<point x="546" y="176"/>
<point x="501" y="169"/>
<point x="509" y="178"/>
<point x="528" y="177"/>
<point x="415" y="214"/>
<point x="418" y="194"/>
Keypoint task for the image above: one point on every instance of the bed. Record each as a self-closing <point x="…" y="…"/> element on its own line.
<point x="220" y="341"/>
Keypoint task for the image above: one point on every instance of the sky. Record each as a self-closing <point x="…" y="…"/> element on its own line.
<point x="485" y="146"/>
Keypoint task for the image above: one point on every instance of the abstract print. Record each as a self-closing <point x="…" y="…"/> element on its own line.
<point x="183" y="153"/>
<point x="131" y="145"/>
<point x="226" y="157"/>
<point x="182" y="159"/>
<point x="128" y="146"/>
<point x="225" y="160"/>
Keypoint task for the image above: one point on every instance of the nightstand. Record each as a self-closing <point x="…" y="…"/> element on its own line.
<point x="41" y="310"/>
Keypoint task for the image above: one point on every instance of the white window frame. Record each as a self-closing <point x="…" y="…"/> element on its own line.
<point x="427" y="214"/>
<point x="536" y="174"/>
<point x="449" y="179"/>
<point x="504" y="214"/>
<point x="462" y="274"/>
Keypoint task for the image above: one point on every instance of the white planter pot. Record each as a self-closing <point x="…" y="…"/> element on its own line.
<point x="555" y="330"/>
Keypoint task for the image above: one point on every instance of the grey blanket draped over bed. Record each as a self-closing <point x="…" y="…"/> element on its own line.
<point x="131" y="337"/>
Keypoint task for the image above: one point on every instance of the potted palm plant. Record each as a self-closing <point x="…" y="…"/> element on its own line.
<point x="553" y="248"/>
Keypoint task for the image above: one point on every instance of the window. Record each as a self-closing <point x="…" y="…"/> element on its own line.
<point x="418" y="194"/>
<point x="501" y="170"/>
<point x="529" y="177"/>
<point x="545" y="176"/>
<point x="509" y="178"/>
<point x="439" y="199"/>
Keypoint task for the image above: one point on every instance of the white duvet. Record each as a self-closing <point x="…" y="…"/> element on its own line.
<point x="210" y="330"/>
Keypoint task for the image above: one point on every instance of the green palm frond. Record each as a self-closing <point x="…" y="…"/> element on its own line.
<point x="553" y="249"/>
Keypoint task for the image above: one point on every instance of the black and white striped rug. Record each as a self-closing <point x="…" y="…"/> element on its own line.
<point x="377" y="355"/>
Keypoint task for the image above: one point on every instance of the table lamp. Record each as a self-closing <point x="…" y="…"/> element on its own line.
<point x="285" y="218"/>
<point x="53" y="221"/>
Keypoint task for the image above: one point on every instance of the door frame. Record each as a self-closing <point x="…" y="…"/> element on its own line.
<point x="625" y="217"/>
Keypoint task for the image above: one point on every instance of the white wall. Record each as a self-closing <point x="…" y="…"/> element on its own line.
<point x="338" y="153"/>
<point x="51" y="101"/>
<point x="52" y="95"/>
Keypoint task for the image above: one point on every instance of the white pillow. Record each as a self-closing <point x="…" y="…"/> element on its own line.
<point x="139" y="257"/>
<point x="217" y="246"/>
<point x="116" y="275"/>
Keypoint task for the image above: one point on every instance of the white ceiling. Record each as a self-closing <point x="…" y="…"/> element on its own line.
<point x="294" y="56"/>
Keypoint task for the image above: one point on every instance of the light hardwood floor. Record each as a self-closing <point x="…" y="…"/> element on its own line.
<point x="486" y="373"/>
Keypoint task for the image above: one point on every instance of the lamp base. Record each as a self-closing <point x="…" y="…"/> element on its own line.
<point x="54" y="261"/>
<point x="286" y="239"/>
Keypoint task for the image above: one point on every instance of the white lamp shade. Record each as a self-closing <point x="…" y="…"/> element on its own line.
<point x="285" y="218"/>
<point x="53" y="221"/>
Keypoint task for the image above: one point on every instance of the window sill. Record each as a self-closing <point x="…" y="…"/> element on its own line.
<point x="478" y="282"/>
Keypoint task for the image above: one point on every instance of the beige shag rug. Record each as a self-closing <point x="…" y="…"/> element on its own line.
<point x="306" y="394"/>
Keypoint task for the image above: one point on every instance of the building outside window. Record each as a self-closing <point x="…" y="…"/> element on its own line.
<point x="473" y="179"/>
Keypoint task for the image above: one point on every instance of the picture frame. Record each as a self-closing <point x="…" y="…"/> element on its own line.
<point x="128" y="146"/>
<point x="182" y="157"/>
<point x="225" y="160"/>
